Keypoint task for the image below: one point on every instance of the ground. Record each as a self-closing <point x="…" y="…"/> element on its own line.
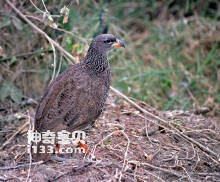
<point x="124" y="145"/>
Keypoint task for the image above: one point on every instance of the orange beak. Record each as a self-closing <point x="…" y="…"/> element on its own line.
<point x="118" y="44"/>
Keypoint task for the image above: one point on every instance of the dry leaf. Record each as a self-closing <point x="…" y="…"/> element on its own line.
<point x="148" y="157"/>
<point x="65" y="19"/>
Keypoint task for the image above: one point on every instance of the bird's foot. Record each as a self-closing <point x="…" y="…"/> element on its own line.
<point x="84" y="146"/>
<point x="58" y="148"/>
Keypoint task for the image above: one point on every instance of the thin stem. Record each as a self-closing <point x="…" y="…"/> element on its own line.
<point x="44" y="6"/>
<point x="36" y="6"/>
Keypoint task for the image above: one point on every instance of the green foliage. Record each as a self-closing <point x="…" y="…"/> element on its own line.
<point x="73" y="18"/>
<point x="159" y="65"/>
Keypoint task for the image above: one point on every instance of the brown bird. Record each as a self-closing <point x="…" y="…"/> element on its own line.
<point x="75" y="99"/>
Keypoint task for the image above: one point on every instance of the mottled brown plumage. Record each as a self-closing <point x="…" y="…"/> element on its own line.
<point x="75" y="99"/>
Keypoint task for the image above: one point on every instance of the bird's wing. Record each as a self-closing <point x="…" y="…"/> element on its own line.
<point x="71" y="102"/>
<point x="61" y="97"/>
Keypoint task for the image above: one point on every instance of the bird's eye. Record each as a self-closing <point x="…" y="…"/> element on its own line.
<point x="108" y="41"/>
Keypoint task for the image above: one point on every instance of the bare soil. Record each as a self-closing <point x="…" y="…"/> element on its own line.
<point x="124" y="145"/>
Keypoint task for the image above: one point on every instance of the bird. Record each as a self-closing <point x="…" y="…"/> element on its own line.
<point x="75" y="99"/>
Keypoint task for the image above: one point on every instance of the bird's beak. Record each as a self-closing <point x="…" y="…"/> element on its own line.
<point x="118" y="44"/>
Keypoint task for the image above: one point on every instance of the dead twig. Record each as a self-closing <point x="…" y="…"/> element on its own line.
<point x="54" y="60"/>
<point x="126" y="150"/>
<point x="10" y="178"/>
<point x="143" y="176"/>
<point x="25" y="54"/>
<point x="30" y="160"/>
<point x="17" y="132"/>
<point x="163" y="170"/>
<point x="20" y="166"/>
<point x="73" y="171"/>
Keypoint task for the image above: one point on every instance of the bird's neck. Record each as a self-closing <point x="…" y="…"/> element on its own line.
<point x="96" y="61"/>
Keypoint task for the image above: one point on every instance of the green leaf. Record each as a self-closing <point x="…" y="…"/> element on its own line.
<point x="72" y="18"/>
<point x="13" y="59"/>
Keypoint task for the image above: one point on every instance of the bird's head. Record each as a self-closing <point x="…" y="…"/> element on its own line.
<point x="106" y="42"/>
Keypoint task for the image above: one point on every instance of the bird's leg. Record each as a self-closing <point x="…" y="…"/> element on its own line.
<point x="83" y="145"/>
<point x="58" y="148"/>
